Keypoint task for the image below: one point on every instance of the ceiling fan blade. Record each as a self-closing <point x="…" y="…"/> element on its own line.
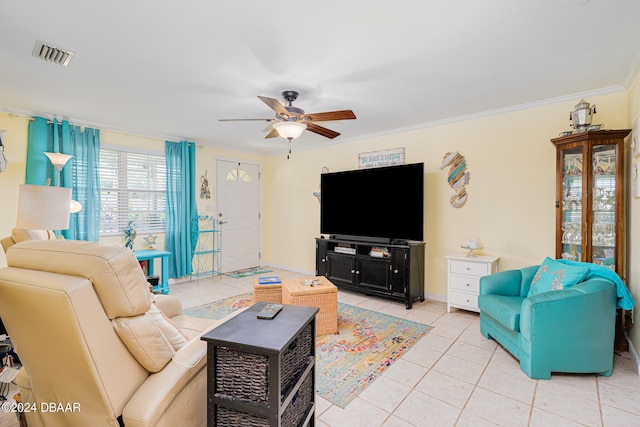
<point x="275" y="105"/>
<point x="246" y="120"/>
<point x="273" y="134"/>
<point x="332" y="115"/>
<point x="320" y="130"/>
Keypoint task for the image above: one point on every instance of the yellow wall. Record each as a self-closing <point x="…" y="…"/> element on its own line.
<point x="511" y="190"/>
<point x="633" y="213"/>
<point x="15" y="149"/>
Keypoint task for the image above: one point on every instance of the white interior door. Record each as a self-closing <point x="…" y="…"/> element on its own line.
<point x="238" y="210"/>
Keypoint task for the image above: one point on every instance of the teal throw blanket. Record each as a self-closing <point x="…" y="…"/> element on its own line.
<point x="625" y="299"/>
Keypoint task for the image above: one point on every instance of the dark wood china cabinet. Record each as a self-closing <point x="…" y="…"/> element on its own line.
<point x="590" y="202"/>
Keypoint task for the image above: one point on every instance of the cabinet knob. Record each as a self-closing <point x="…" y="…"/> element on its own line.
<point x="324" y="260"/>
<point x="357" y="271"/>
<point x="468" y="268"/>
<point x="395" y="271"/>
<point x="468" y="285"/>
<point x="353" y="271"/>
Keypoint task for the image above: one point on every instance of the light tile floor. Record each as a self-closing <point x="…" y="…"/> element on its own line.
<point x="454" y="376"/>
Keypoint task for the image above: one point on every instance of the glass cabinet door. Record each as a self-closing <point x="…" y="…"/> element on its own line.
<point x="572" y="212"/>
<point x="604" y="199"/>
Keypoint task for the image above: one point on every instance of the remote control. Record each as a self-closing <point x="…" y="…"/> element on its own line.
<point x="269" y="311"/>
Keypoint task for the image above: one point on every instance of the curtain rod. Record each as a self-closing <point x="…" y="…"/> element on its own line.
<point x="108" y="128"/>
<point x="32" y="119"/>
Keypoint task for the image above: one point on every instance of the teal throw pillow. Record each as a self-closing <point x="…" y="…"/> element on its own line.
<point x="553" y="276"/>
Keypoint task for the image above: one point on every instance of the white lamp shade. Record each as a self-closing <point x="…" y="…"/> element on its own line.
<point x="290" y="130"/>
<point x="42" y="207"/>
<point x="75" y="206"/>
<point x="58" y="159"/>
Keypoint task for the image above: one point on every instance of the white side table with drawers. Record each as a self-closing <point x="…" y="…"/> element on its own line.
<point x="464" y="275"/>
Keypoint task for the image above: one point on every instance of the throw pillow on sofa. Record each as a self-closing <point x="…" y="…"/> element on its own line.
<point x="553" y="275"/>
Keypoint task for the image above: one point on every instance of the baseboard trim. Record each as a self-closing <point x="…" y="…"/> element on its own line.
<point x="633" y="353"/>
<point x="435" y="297"/>
<point x="296" y="270"/>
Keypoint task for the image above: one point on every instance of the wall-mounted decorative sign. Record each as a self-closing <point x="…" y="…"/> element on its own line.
<point x="376" y="159"/>
<point x="458" y="177"/>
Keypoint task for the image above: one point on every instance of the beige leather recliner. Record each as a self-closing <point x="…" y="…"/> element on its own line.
<point x="96" y="349"/>
<point x="22" y="234"/>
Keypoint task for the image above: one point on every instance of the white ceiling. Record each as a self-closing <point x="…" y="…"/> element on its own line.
<point x="173" y="68"/>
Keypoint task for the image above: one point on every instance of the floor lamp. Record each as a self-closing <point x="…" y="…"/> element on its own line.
<point x="59" y="160"/>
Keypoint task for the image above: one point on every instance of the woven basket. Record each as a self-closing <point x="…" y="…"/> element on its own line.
<point x="227" y="417"/>
<point x="324" y="297"/>
<point x="242" y="375"/>
<point x="300" y="404"/>
<point x="267" y="293"/>
<point x="245" y="376"/>
<point x="295" y="359"/>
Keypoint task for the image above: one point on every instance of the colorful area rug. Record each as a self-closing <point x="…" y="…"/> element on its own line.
<point x="247" y="273"/>
<point x="366" y="345"/>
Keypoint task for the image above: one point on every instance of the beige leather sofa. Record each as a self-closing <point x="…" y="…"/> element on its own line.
<point x="96" y="349"/>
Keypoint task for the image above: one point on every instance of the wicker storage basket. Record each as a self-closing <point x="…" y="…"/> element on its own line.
<point x="227" y="417"/>
<point x="267" y="292"/>
<point x="300" y="404"/>
<point x="324" y="296"/>
<point x="246" y="375"/>
<point x="243" y="375"/>
<point x="295" y="359"/>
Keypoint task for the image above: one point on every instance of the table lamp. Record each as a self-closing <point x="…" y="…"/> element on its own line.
<point x="43" y="207"/>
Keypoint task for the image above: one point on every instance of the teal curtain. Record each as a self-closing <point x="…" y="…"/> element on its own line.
<point x="85" y="147"/>
<point x="80" y="173"/>
<point x="182" y="212"/>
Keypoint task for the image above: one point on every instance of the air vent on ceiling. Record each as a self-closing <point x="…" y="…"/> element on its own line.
<point x="52" y="54"/>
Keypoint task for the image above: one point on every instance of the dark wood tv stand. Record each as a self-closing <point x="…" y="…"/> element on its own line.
<point x="398" y="275"/>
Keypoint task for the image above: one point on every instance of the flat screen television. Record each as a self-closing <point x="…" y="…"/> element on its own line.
<point x="380" y="204"/>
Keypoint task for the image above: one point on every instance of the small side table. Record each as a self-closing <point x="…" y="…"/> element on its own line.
<point x="150" y="255"/>
<point x="262" y="372"/>
<point x="464" y="273"/>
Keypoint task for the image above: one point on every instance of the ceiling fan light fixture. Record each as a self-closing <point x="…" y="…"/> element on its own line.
<point x="290" y="130"/>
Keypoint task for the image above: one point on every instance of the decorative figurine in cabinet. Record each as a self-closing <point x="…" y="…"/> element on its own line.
<point x="590" y="188"/>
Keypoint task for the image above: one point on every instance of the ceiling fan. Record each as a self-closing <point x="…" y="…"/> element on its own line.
<point x="291" y="121"/>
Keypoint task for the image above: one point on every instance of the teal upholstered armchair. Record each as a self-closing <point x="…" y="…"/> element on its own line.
<point x="567" y="328"/>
